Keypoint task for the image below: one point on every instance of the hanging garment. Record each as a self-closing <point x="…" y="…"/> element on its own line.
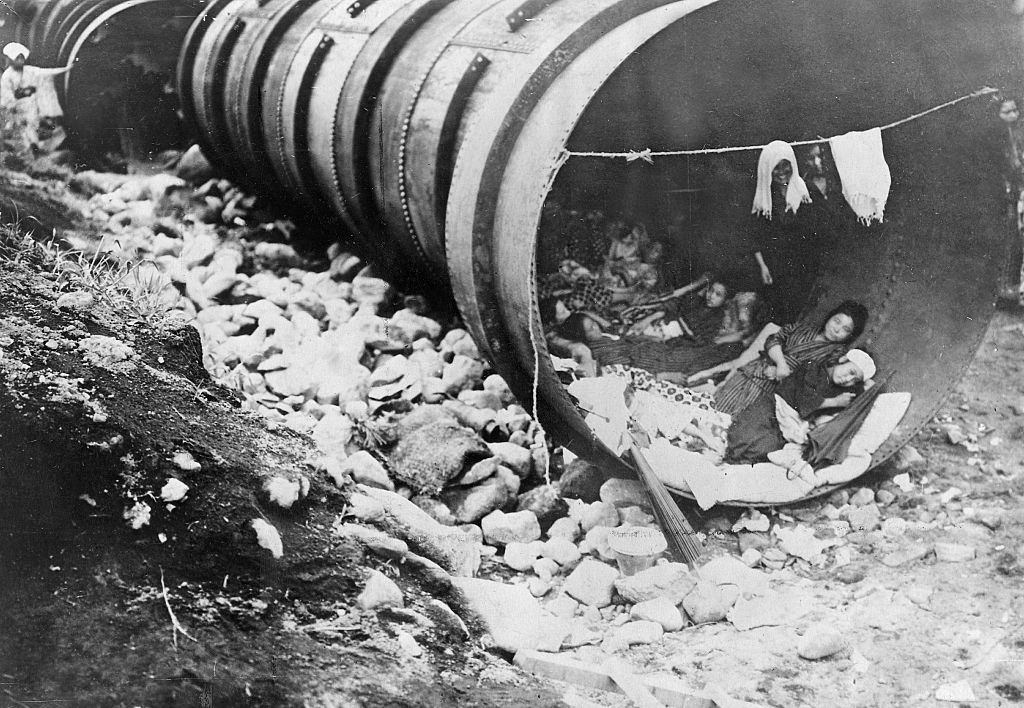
<point x="864" y="172"/>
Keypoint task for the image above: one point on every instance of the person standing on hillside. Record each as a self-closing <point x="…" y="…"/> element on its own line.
<point x="27" y="96"/>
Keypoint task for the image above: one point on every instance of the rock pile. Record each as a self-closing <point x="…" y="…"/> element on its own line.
<point x="393" y="398"/>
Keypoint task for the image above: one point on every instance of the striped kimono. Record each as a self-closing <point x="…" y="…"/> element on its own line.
<point x="799" y="345"/>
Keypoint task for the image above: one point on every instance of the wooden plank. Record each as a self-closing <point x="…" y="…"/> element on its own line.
<point x="628" y="682"/>
<point x="669" y="692"/>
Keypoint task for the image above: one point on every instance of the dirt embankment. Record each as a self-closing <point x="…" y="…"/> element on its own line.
<point x="101" y="559"/>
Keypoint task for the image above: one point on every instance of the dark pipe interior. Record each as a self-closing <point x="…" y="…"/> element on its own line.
<point x="122" y="97"/>
<point x="740" y="73"/>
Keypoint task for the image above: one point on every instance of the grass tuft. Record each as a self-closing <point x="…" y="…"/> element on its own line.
<point x="135" y="289"/>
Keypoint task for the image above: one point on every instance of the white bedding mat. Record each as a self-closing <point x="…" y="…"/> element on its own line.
<point x="767" y="483"/>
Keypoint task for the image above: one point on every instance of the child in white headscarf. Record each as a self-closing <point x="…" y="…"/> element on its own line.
<point x="26" y="96"/>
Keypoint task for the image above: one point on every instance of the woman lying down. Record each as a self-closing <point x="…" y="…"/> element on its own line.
<point x="778" y="426"/>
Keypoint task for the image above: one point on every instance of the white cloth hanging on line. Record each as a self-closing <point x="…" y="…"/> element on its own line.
<point x="864" y="172"/>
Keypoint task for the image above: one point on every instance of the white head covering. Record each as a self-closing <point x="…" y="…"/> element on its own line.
<point x="863" y="361"/>
<point x="13" y="50"/>
<point x="796" y="194"/>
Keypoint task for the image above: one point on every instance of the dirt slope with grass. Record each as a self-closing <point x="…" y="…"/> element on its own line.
<point x="99" y="409"/>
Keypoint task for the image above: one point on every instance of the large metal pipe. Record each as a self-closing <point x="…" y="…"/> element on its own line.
<point x="753" y="73"/>
<point x="434" y="130"/>
<point x="125" y="54"/>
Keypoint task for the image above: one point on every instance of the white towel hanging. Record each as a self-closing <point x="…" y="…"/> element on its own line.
<point x="861" y="164"/>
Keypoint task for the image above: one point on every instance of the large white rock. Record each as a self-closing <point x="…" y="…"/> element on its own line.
<point x="461" y="373"/>
<point x="637" y="632"/>
<point x="292" y="381"/>
<point x="599" y="514"/>
<point x="865" y="518"/>
<point x="478" y="472"/>
<point x="596" y="541"/>
<point x="545" y="568"/>
<point x="500" y="528"/>
<point x="390" y="371"/>
<point x="624" y="492"/>
<point x="512" y="484"/>
<point x="454" y="550"/>
<point x="562" y="606"/>
<point x="820" y="641"/>
<point x="592" y="583"/>
<point x="380" y="591"/>
<point x="370" y="291"/>
<point x="562" y="551"/>
<point x="406" y="326"/>
<point x="470" y="504"/>
<point x="262" y="308"/>
<point x="364" y="468"/>
<point x="511" y="615"/>
<point x="497" y="385"/>
<point x="522" y="556"/>
<point x="565" y="528"/>
<point x="672" y="581"/>
<point x="516" y="458"/>
<point x="485" y="400"/>
<point x="332" y="434"/>
<point x="268" y="537"/>
<point x="460" y="343"/>
<point x="660" y="610"/>
<point x="174" y="490"/>
<point x="708" y="602"/>
<point x="729" y="570"/>
<point x="283" y="491"/>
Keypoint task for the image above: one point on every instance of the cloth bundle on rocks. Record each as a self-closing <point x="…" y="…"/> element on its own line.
<point x="434" y="454"/>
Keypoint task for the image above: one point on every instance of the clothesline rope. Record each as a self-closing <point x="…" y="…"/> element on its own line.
<point x="647" y="154"/>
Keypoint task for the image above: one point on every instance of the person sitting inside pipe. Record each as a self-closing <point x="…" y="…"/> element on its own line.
<point x="574" y="335"/>
<point x="695" y="311"/>
<point x="786" y="414"/>
<point x="777" y="352"/>
<point x="707" y="330"/>
<point x="628" y="242"/>
<point x="831" y="210"/>
<point x="606" y="303"/>
<point x="28" y="99"/>
<point x="597" y="310"/>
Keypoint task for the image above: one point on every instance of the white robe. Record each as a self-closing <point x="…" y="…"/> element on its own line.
<point x="21" y="115"/>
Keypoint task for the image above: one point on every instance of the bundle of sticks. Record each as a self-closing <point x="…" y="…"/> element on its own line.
<point x="677" y="529"/>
